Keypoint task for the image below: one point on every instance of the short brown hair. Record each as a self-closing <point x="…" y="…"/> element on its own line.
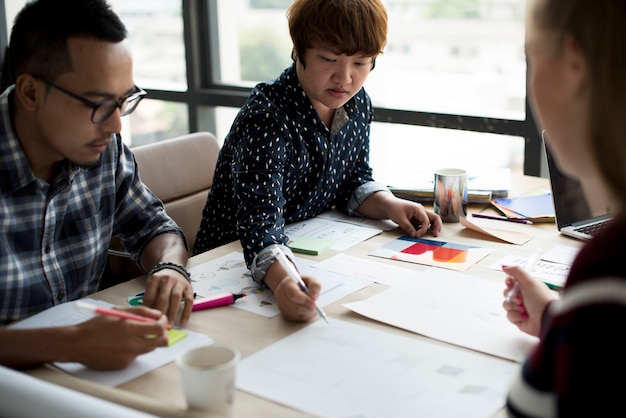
<point x="347" y="26"/>
<point x="598" y="28"/>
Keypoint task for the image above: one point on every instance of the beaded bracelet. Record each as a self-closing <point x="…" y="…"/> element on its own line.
<point x="174" y="266"/>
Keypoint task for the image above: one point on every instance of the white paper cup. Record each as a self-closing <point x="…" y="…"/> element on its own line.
<point x="450" y="194"/>
<point x="208" y="377"/>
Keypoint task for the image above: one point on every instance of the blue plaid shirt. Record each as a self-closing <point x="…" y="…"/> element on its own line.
<point x="54" y="237"/>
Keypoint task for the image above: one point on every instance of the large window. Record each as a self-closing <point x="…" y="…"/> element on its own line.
<point x="155" y="34"/>
<point x="461" y="57"/>
<point x="449" y="90"/>
<point x="452" y="57"/>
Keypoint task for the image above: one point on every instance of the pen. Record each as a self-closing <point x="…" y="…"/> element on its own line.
<point x="293" y="273"/>
<point x="530" y="265"/>
<point x="222" y="299"/>
<point x="502" y="218"/>
<point x="99" y="310"/>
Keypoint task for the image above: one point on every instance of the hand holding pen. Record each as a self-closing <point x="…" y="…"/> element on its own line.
<point x="530" y="266"/>
<point x="526" y="297"/>
<point x="291" y="271"/>
<point x="87" y="307"/>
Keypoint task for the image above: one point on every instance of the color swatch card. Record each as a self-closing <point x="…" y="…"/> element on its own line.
<point x="442" y="254"/>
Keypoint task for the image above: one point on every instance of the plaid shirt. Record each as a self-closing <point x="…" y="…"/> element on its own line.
<point x="54" y="237"/>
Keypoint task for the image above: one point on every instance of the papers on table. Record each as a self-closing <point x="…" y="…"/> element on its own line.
<point x="496" y="182"/>
<point x="335" y="215"/>
<point x="65" y="314"/>
<point x="453" y="307"/>
<point x="561" y="254"/>
<point x="343" y="231"/>
<point x="507" y="235"/>
<point x="230" y="274"/>
<point x="367" y="269"/>
<point x="552" y="268"/>
<point x="538" y="208"/>
<point x="442" y="254"/>
<point x="346" y="370"/>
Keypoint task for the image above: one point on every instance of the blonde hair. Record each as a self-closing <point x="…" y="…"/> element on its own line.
<point x="598" y="27"/>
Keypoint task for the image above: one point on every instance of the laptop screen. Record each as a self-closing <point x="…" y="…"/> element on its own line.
<point x="570" y="205"/>
<point x="576" y="215"/>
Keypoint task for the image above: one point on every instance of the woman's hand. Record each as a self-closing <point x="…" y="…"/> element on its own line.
<point x="526" y="308"/>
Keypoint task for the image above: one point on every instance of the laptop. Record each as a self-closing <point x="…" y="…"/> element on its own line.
<point x="573" y="216"/>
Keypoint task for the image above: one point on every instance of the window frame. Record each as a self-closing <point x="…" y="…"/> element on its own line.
<point x="201" y="45"/>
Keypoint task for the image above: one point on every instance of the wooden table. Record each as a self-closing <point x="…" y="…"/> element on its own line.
<point x="160" y="393"/>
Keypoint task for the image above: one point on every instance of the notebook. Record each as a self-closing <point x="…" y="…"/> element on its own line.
<point x="573" y="215"/>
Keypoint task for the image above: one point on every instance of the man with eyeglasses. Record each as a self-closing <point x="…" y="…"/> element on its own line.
<point x="68" y="184"/>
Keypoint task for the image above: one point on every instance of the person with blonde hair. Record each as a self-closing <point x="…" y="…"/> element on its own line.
<point x="300" y="146"/>
<point x="576" y="53"/>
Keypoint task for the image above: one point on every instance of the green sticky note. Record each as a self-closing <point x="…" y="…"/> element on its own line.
<point x="175" y="335"/>
<point x="310" y="245"/>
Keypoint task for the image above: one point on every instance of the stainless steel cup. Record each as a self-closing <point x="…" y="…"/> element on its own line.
<point x="450" y="194"/>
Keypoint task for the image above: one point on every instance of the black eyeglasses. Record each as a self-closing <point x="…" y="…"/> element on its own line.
<point x="102" y="110"/>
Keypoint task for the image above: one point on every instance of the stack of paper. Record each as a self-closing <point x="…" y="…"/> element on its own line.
<point x="483" y="185"/>
<point x="538" y="208"/>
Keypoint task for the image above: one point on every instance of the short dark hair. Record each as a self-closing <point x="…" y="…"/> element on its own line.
<point x="41" y="29"/>
<point x="348" y="26"/>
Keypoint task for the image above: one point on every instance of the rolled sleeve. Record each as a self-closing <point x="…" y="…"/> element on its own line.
<point x="264" y="259"/>
<point x="363" y="192"/>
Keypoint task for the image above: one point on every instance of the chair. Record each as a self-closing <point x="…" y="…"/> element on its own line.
<point x="179" y="171"/>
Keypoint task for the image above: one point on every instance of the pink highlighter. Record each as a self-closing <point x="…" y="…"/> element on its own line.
<point x="215" y="301"/>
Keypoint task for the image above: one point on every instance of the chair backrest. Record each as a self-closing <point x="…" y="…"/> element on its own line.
<point x="179" y="171"/>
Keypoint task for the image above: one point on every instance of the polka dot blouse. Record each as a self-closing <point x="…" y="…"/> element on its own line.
<point x="281" y="164"/>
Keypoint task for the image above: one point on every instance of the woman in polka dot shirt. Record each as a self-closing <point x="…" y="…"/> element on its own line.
<point x="300" y="146"/>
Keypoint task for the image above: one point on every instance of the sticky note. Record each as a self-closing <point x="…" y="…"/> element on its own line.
<point x="310" y="245"/>
<point x="175" y="335"/>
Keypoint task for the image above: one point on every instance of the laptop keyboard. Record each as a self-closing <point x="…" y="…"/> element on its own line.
<point x="592" y="229"/>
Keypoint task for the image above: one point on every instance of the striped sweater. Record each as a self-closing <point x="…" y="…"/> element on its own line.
<point x="577" y="367"/>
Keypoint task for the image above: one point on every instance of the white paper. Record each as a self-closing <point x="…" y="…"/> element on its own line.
<point x="24" y="396"/>
<point x="549" y="272"/>
<point x="453" y="307"/>
<point x="346" y="370"/>
<point x="335" y="227"/>
<point x="561" y="254"/>
<point x="230" y="274"/>
<point x="367" y="269"/>
<point x="384" y="224"/>
<point x="65" y="314"/>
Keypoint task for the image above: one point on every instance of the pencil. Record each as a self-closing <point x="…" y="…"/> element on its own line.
<point x="502" y="218"/>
